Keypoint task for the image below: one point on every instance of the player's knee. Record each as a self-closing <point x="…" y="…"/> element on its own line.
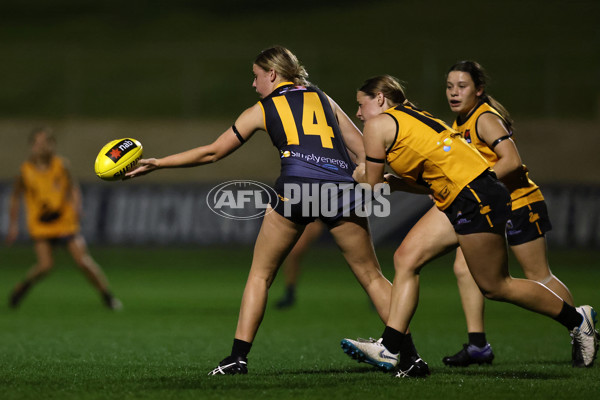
<point x="542" y="277"/>
<point x="85" y="262"/>
<point x="491" y="295"/>
<point x="461" y="270"/>
<point x="262" y="278"/>
<point x="406" y="260"/>
<point x="44" y="267"/>
<point x="496" y="291"/>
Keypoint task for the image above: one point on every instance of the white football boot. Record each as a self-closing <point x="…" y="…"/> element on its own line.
<point x="585" y="339"/>
<point x="370" y="351"/>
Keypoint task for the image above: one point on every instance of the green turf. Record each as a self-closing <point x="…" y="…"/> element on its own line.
<point x="180" y="312"/>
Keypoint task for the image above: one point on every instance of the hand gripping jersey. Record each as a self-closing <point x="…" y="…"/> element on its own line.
<point x="303" y="127"/>
<point x="427" y="151"/>
<point x="50" y="212"/>
<point x="523" y="191"/>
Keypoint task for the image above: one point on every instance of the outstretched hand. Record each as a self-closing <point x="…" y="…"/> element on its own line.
<point x="143" y="167"/>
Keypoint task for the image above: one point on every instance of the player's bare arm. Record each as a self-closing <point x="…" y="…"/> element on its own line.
<point x="376" y="133"/>
<point x="246" y="124"/>
<point x="491" y="128"/>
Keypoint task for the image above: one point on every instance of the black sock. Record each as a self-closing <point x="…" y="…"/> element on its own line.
<point x="107" y="296"/>
<point x="407" y="347"/>
<point x="477" y="339"/>
<point x="20" y="291"/>
<point x="392" y="339"/>
<point x="240" y="348"/>
<point x="26" y="285"/>
<point x="569" y="316"/>
<point x="290" y="291"/>
<point x="23" y="287"/>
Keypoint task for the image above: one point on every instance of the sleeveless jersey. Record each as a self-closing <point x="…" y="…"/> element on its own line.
<point x="427" y="151"/>
<point x="523" y="191"/>
<point x="50" y="212"/>
<point x="303" y="127"/>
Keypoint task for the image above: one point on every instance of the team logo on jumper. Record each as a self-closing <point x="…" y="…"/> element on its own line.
<point x="446" y="143"/>
<point x="120" y="149"/>
<point x="467" y="135"/>
<point x="241" y="199"/>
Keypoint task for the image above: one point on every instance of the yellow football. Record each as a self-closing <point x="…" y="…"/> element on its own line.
<point x="117" y="157"/>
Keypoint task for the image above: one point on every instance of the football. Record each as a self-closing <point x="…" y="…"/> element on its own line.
<point x="117" y="157"/>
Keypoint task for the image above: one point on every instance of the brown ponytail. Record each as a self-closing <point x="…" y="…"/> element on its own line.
<point x="390" y="87"/>
<point x="285" y="63"/>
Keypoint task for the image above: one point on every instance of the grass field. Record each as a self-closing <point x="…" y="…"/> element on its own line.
<point x="179" y="316"/>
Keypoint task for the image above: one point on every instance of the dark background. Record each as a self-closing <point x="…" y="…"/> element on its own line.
<point x="189" y="59"/>
<point x="175" y="74"/>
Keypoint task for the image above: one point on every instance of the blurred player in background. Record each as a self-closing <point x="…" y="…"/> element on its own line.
<point x="471" y="209"/>
<point x="318" y="146"/>
<point x="292" y="264"/>
<point x="53" y="205"/>
<point x="486" y="125"/>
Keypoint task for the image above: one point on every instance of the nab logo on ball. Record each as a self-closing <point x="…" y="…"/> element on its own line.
<point x="241" y="199"/>
<point x="117" y="157"/>
<point x="120" y="149"/>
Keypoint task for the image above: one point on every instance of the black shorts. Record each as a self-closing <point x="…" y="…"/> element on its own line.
<point x="482" y="206"/>
<point x="528" y="223"/>
<point x="302" y="200"/>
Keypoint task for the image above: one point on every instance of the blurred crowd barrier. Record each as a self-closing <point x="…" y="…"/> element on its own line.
<point x="554" y="150"/>
<point x="180" y="215"/>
